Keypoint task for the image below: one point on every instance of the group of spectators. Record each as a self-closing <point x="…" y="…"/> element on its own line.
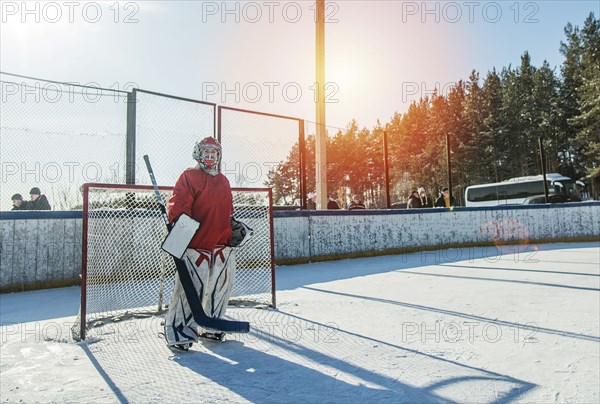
<point x="420" y="199"/>
<point x="332" y="204"/>
<point x="417" y="199"/>
<point x="37" y="201"/>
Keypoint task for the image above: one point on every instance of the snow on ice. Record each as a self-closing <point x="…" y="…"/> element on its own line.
<point x="509" y="324"/>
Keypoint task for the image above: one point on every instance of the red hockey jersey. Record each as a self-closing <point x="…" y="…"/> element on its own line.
<point x="207" y="199"/>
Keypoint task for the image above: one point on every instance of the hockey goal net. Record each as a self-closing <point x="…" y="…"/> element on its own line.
<point x="126" y="273"/>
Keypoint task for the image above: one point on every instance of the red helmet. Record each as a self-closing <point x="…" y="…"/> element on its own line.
<point x="208" y="153"/>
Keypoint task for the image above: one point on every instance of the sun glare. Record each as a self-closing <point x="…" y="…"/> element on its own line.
<point x="341" y="73"/>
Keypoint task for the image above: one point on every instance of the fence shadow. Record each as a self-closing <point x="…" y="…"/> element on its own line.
<point x="286" y="358"/>
<point x="348" y="367"/>
<point x="534" y="328"/>
<point x="301" y="275"/>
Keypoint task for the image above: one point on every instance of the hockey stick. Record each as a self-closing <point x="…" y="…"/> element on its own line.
<point x="186" y="281"/>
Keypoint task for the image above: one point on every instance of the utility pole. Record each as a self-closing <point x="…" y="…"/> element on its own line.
<point x="321" y="135"/>
<point x="449" y="162"/>
<point x="386" y="168"/>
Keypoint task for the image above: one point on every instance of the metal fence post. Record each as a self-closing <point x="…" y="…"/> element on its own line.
<point x="386" y="167"/>
<point x="449" y="162"/>
<point x="302" y="159"/>
<point x="130" y="138"/>
<point x="543" y="160"/>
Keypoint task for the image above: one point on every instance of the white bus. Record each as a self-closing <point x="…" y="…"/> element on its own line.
<point x="517" y="190"/>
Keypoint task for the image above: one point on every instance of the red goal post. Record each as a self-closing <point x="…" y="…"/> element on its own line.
<point x="126" y="273"/>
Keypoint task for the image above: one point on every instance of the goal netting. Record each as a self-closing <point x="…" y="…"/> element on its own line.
<point x="126" y="273"/>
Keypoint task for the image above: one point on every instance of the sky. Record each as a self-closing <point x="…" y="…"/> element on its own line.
<point x="380" y="55"/>
<point x="480" y="325"/>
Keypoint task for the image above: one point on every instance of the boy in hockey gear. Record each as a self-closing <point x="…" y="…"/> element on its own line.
<point x="204" y="194"/>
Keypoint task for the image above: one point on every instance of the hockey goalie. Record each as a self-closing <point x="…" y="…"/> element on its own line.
<point x="203" y="194"/>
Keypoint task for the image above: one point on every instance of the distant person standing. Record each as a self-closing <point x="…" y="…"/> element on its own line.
<point x="444" y="200"/>
<point x="311" y="203"/>
<point x="414" y="202"/>
<point x="18" y="202"/>
<point x="38" y="201"/>
<point x="332" y="203"/>
<point x="426" y="201"/>
<point x="356" y="203"/>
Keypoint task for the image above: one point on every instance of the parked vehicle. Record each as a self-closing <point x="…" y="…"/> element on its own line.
<point x="551" y="199"/>
<point x="517" y="190"/>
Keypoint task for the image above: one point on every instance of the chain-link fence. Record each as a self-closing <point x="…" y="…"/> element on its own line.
<point x="261" y="149"/>
<point x="380" y="172"/>
<point x="57" y="136"/>
<point x="166" y="128"/>
<point x="355" y="165"/>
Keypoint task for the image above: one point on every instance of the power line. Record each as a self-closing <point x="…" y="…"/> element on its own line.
<point x="66" y="92"/>
<point x="62" y="82"/>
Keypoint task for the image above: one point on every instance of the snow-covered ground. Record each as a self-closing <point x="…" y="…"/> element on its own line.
<point x="470" y="325"/>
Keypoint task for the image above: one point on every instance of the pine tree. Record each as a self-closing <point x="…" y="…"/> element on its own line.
<point x="588" y="121"/>
<point x="569" y="100"/>
<point x="477" y="156"/>
<point x="518" y="116"/>
<point x="434" y="152"/>
<point x="492" y="134"/>
<point x="546" y="113"/>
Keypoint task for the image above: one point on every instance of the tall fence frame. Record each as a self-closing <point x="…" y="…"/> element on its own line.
<point x="301" y="141"/>
<point x="134" y="120"/>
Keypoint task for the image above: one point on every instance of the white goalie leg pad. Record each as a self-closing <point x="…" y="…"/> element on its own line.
<point x="180" y="326"/>
<point x="177" y="330"/>
<point x="220" y="282"/>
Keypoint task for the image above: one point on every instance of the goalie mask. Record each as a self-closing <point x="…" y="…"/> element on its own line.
<point x="207" y="153"/>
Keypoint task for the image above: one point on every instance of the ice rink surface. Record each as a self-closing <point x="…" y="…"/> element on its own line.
<point x="506" y="324"/>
